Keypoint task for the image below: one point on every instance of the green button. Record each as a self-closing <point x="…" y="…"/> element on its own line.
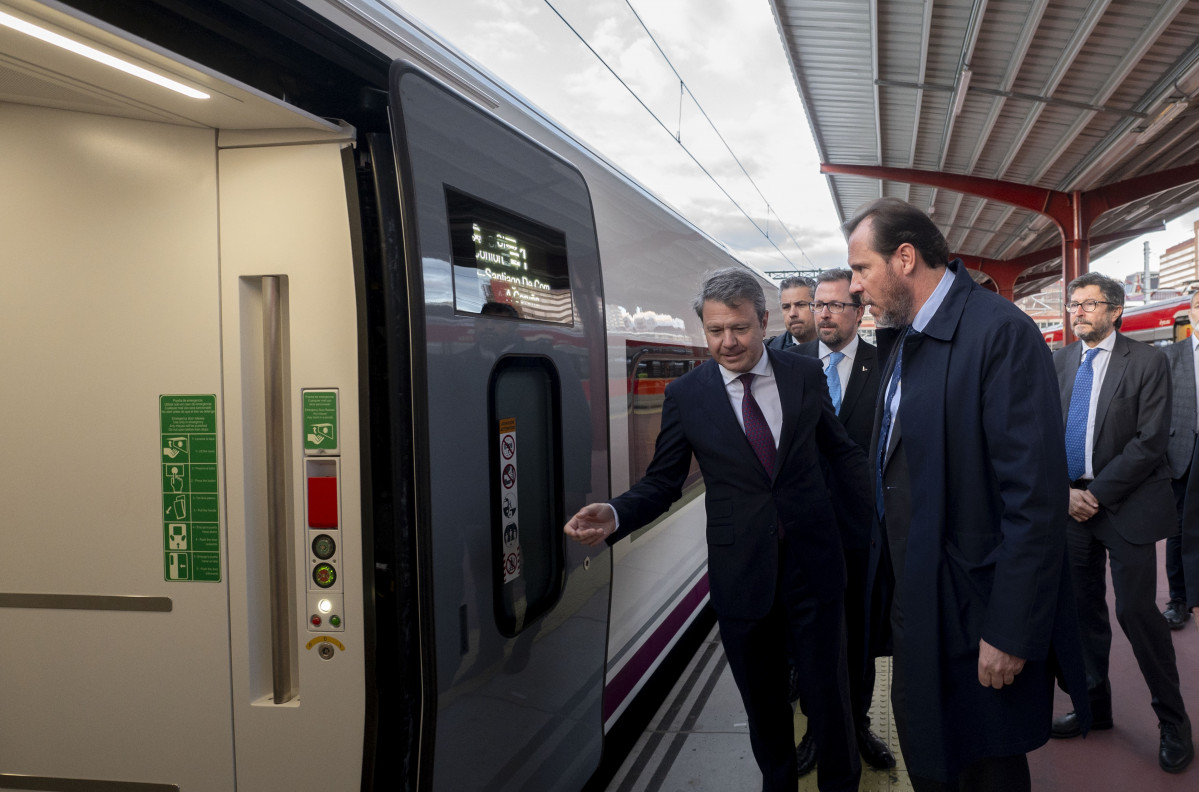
<point x="335" y="621"/>
<point x="324" y="575"/>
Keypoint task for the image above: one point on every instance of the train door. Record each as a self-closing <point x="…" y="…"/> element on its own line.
<point x="173" y="294"/>
<point x="508" y="404"/>
<point x="298" y="622"/>
<point x="114" y="668"/>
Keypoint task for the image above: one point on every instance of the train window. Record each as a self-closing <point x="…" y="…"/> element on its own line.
<point x="650" y="371"/>
<point x="527" y="511"/>
<point x="502" y="258"/>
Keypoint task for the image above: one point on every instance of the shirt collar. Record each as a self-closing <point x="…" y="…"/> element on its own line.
<point x="1108" y="343"/>
<point x="850" y="350"/>
<point x="762" y="369"/>
<point x="929" y="309"/>
<point x="1195" y="342"/>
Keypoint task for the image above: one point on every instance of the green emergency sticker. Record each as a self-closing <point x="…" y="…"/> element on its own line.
<point x="191" y="536"/>
<point x="320" y="421"/>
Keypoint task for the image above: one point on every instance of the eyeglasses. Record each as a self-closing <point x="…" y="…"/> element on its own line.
<point x="833" y="307"/>
<point x="1087" y="306"/>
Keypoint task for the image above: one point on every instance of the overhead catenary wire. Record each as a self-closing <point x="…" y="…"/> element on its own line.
<point x="678" y="136"/>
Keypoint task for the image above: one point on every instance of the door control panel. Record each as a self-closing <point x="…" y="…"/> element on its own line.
<point x="322" y="510"/>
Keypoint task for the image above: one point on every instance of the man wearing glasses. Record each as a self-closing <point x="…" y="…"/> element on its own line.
<point x="1116" y="405"/>
<point x="795" y="298"/>
<point x="851" y="371"/>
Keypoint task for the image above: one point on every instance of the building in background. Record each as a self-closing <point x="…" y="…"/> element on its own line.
<point x="1179" y="265"/>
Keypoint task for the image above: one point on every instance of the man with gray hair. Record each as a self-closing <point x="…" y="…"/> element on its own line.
<point x="759" y="422"/>
<point x="795" y="299"/>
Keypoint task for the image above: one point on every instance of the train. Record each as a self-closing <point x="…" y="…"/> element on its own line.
<point x="1158" y="322"/>
<point x="315" y="334"/>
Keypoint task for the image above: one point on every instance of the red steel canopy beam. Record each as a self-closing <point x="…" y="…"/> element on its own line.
<point x="1006" y="272"/>
<point x="1072" y="212"/>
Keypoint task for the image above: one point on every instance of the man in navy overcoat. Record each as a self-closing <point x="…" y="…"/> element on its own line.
<point x="775" y="561"/>
<point x="969" y="458"/>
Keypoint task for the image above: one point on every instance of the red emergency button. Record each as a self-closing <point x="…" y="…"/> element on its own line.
<point x="322" y="502"/>
<point x="316" y="620"/>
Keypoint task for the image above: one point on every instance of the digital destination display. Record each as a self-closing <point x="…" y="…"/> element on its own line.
<point x="501" y="258"/>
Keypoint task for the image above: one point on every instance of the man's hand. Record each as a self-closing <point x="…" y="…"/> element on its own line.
<point x="1083" y="505"/>
<point x="592" y="524"/>
<point x="996" y="668"/>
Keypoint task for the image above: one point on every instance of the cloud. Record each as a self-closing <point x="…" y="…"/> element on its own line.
<point x="729" y="53"/>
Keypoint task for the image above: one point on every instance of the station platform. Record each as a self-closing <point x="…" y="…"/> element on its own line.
<point x="698" y="741"/>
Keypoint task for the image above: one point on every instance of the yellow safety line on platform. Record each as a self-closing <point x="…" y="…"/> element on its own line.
<point x="882" y="722"/>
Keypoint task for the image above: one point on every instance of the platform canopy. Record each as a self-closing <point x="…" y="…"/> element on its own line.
<point x="1006" y="120"/>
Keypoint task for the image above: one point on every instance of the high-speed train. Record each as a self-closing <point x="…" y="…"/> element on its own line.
<point x="314" y="335"/>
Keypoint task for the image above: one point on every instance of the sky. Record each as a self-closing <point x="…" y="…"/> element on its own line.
<point x="731" y="57"/>
<point x="729" y="54"/>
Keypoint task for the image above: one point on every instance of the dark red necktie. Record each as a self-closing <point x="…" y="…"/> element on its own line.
<point x="756" y="428"/>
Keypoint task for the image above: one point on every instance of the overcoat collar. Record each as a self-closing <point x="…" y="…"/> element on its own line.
<point x="944" y="323"/>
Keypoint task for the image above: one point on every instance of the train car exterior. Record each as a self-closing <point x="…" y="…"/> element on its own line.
<point x="308" y="355"/>
<point x="1161" y="322"/>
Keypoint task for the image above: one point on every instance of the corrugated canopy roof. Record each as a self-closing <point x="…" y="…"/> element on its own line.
<point x="1066" y="95"/>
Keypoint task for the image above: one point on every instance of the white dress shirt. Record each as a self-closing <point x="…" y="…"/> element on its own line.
<point x="845" y="367"/>
<point x="923" y="317"/>
<point x="766" y="394"/>
<point x="765" y="391"/>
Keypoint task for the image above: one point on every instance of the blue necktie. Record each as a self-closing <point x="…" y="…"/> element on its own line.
<point x="756" y="428"/>
<point x="834" y="379"/>
<point x="884" y="434"/>
<point x="1076" y="420"/>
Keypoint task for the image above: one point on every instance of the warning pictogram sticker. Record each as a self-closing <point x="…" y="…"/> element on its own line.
<point x="509" y="500"/>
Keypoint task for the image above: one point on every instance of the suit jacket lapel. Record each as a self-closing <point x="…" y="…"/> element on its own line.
<point x="865" y="360"/>
<point x="880" y="407"/>
<point x="880" y="404"/>
<point x="896" y="436"/>
<point x="1186" y="385"/>
<point x="1073" y="360"/>
<point x="790" y="398"/>
<point x="1111" y="380"/>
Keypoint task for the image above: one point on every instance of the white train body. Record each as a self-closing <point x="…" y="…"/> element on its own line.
<point x="266" y="525"/>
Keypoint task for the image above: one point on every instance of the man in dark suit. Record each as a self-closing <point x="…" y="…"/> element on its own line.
<point x="759" y="422"/>
<point x="1184" y="421"/>
<point x="970" y="467"/>
<point x="851" y="371"/>
<point x="1115" y="396"/>
<point x="795" y="299"/>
